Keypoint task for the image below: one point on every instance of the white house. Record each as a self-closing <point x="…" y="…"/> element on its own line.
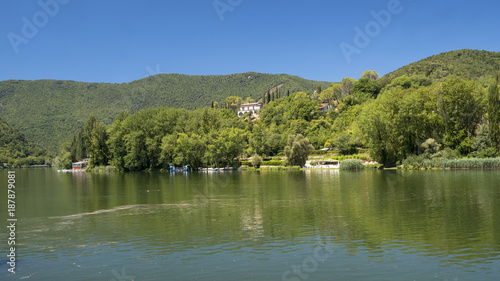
<point x="80" y="165"/>
<point x="249" y="107"/>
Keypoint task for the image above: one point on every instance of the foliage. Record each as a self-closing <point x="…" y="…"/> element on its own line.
<point x="466" y="64"/>
<point x="14" y="146"/>
<point x="354" y="156"/>
<point x="234" y="102"/>
<point x="461" y="110"/>
<point x="332" y="94"/>
<point x="471" y="163"/>
<point x="351" y="164"/>
<point x="272" y="163"/>
<point x="406" y="82"/>
<point x="66" y="160"/>
<point x="370" y="74"/>
<point x="431" y="147"/>
<point x="420" y="162"/>
<point x="493" y="109"/>
<point x="52" y="111"/>
<point x="256" y="160"/>
<point x="364" y="89"/>
<point x="346" y="144"/>
<point x="346" y="86"/>
<point x="297" y="150"/>
<point x="304" y="109"/>
<point x="409" y="117"/>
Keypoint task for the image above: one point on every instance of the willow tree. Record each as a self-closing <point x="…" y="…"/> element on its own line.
<point x="297" y="150"/>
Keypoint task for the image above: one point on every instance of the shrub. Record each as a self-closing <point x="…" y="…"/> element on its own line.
<point x="256" y="160"/>
<point x="355" y="156"/>
<point x="272" y="163"/>
<point x="351" y="164"/>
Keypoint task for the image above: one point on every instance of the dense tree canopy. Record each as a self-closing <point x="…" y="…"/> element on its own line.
<point x="16" y="150"/>
<point x="52" y="111"/>
<point x="407" y="117"/>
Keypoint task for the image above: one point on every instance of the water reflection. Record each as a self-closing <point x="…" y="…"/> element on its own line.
<point x="386" y="217"/>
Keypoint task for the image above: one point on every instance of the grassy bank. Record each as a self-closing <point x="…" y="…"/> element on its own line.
<point x="417" y="163"/>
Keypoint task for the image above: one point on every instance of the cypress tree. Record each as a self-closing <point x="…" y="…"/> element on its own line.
<point x="318" y="89"/>
<point x="494" y="113"/>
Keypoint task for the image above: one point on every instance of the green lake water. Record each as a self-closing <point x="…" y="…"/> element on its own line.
<point x="268" y="225"/>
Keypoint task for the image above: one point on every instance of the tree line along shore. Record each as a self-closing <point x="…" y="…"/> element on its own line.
<point x="411" y="122"/>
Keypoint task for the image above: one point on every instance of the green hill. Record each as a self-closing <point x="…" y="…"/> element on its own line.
<point x="14" y="145"/>
<point x="51" y="111"/>
<point x="469" y="64"/>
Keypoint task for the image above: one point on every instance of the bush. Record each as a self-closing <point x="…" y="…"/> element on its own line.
<point x="256" y="160"/>
<point x="272" y="163"/>
<point x="102" y="169"/>
<point x="245" y="163"/>
<point x="355" y="156"/>
<point x="351" y="164"/>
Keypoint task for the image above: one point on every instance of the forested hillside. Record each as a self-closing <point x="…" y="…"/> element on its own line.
<point x="411" y="121"/>
<point x="466" y="64"/>
<point x="50" y="112"/>
<point x="16" y="150"/>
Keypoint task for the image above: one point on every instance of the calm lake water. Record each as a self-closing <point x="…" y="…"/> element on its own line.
<point x="294" y="225"/>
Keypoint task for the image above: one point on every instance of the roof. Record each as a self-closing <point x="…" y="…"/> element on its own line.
<point x="323" y="105"/>
<point x="251" y="104"/>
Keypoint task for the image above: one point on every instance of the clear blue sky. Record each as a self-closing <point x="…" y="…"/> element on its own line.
<point x="117" y="40"/>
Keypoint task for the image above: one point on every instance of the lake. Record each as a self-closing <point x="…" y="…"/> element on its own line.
<point x="243" y="225"/>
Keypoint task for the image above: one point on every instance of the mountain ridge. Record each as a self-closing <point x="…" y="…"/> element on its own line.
<point x="49" y="111"/>
<point x="465" y="63"/>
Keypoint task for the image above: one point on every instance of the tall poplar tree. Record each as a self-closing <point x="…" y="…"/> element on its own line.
<point x="494" y="113"/>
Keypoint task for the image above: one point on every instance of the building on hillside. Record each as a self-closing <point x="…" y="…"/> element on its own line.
<point x="81" y="164"/>
<point x="325" y="107"/>
<point x="252" y="107"/>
